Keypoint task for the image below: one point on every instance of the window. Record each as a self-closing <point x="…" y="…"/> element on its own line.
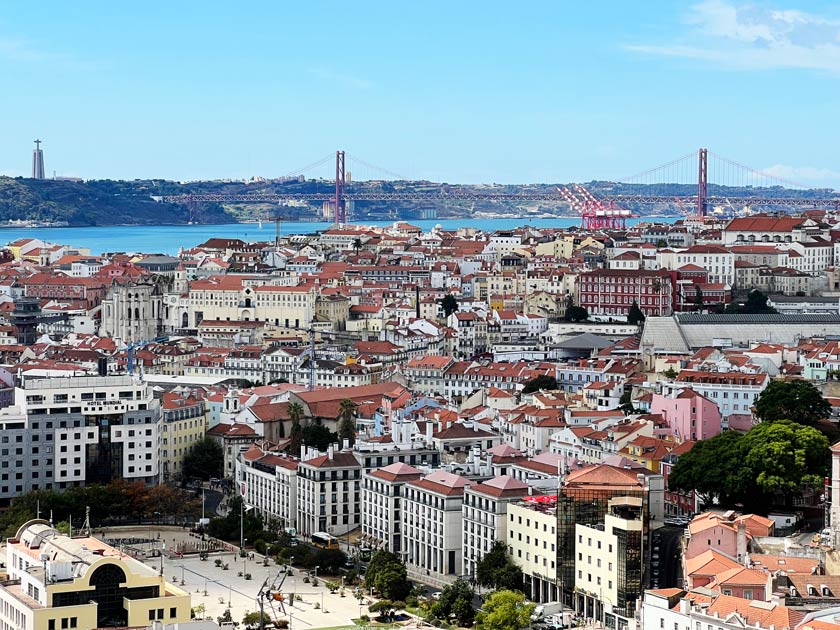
<point x="51" y="624"/>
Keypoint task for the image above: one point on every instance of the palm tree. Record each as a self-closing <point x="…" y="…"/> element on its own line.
<point x="347" y="421"/>
<point x="357" y="244"/>
<point x="296" y="432"/>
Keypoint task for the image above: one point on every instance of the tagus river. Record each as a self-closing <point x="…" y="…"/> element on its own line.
<point x="167" y="239"/>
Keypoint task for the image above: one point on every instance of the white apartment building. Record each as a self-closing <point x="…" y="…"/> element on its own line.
<point x="329" y="492"/>
<point x="718" y="261"/>
<point x="703" y="608"/>
<point x="432" y="524"/>
<point x="485" y="516"/>
<point x="383" y="504"/>
<point x="601" y="553"/>
<point x="531" y="540"/>
<point x="269" y="482"/>
<point x="732" y="392"/>
<point x="118" y="414"/>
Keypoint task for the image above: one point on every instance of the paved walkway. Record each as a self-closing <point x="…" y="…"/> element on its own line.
<point x="217" y="589"/>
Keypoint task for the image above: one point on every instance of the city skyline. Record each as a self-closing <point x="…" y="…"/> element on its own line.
<point x="458" y="95"/>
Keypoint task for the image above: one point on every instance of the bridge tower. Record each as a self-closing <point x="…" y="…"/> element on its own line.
<point x="702" y="181"/>
<point x="340" y="189"/>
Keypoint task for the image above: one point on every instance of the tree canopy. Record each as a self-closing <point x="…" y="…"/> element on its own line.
<point x="543" y="381"/>
<point x="496" y="570"/>
<point x="117" y="502"/>
<point x="635" y="315"/>
<point x="456" y="602"/>
<point x="228" y="527"/>
<point x="764" y="467"/>
<point x="347" y="421"/>
<point x="205" y="460"/>
<point x="388" y="575"/>
<point x="796" y="400"/>
<point x="755" y="304"/>
<point x="505" y="610"/>
<point x="574" y="313"/>
<point x="449" y="304"/>
<point x="318" y="436"/>
<point x="296" y="432"/>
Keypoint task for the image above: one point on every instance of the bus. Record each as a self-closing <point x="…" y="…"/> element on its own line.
<point x="322" y="540"/>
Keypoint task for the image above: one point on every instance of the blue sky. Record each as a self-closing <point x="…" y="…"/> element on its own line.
<point x="449" y="91"/>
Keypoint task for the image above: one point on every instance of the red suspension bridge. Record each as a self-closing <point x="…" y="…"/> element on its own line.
<point x="703" y="185"/>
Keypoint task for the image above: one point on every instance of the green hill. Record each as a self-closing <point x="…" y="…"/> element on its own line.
<point x="102" y="202"/>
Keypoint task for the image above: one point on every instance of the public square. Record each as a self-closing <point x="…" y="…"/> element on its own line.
<point x="218" y="589"/>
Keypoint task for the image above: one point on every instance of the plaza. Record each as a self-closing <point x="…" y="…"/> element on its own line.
<point x="218" y="590"/>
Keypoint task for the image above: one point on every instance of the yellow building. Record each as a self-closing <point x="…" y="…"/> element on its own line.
<point x="184" y="426"/>
<point x="60" y="583"/>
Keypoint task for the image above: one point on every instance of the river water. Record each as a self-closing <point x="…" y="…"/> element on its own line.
<point x="167" y="239"/>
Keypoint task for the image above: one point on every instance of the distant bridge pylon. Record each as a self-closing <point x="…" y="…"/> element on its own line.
<point x="704" y="193"/>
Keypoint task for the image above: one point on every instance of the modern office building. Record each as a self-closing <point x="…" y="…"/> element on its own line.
<point x="80" y="583"/>
<point x="603" y="518"/>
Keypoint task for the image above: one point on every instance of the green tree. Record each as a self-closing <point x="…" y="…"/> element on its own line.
<point x="698" y="297"/>
<point x="785" y="456"/>
<point x="252" y="620"/>
<point x="496" y="569"/>
<point x="635" y="315"/>
<point x="796" y="400"/>
<point x="543" y="381"/>
<point x="456" y="601"/>
<point x="205" y="460"/>
<point x="574" y="313"/>
<point x="625" y="403"/>
<point x="357" y="244"/>
<point x="388" y="575"/>
<point x="318" y="436"/>
<point x="755" y="304"/>
<point x="449" y="304"/>
<point x="713" y="469"/>
<point x="296" y="432"/>
<point x="767" y="466"/>
<point x="671" y="373"/>
<point x="505" y="610"/>
<point x="347" y="421"/>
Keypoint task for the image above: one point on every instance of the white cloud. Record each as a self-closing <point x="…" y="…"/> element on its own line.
<point x="748" y="36"/>
<point x="805" y="174"/>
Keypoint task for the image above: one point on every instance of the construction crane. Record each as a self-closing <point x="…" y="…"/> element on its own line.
<point x="135" y="345"/>
<point x="595" y="214"/>
<point x="310" y="351"/>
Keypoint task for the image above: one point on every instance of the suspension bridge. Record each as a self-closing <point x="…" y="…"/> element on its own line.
<point x="699" y="183"/>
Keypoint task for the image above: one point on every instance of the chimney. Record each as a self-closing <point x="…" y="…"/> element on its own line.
<point x="302" y="452"/>
<point x="741" y="543"/>
<point x="429" y="428"/>
<point x="330" y="451"/>
<point x="345" y="446"/>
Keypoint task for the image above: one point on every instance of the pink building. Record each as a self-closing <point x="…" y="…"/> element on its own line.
<point x="726" y="534"/>
<point x="688" y="415"/>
